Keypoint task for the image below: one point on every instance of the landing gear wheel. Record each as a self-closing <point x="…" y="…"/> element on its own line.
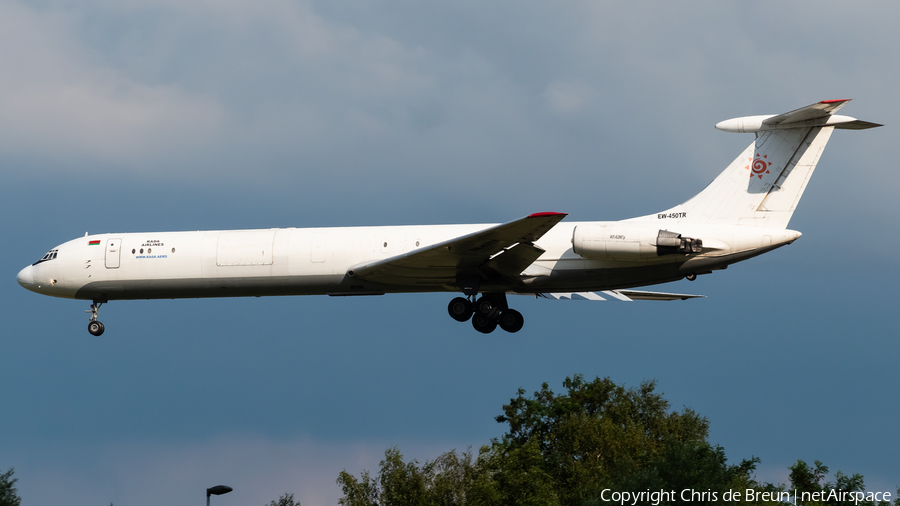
<point x="484" y="306"/>
<point x="96" y="328"/>
<point x="691" y="276"/>
<point x="460" y="309"/>
<point x="483" y="324"/>
<point x="511" y="320"/>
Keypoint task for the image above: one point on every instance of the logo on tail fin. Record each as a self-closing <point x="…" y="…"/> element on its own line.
<point x="759" y="166"/>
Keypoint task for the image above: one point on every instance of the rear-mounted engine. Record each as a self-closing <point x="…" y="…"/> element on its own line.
<point x="623" y="242"/>
<point x="668" y="243"/>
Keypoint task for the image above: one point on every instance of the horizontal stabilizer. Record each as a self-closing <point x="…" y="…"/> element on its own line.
<point x="624" y="295"/>
<point x="820" y="114"/>
<point x="812" y="112"/>
<point x="857" y="125"/>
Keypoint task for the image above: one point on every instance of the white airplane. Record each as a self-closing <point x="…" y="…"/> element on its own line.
<point x="744" y="212"/>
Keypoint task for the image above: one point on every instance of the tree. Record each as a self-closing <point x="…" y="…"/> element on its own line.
<point x="285" y="500"/>
<point x="599" y="435"/>
<point x="444" y="481"/>
<point x="568" y="448"/>
<point x="8" y="496"/>
<point x="362" y="492"/>
<point x="808" y="481"/>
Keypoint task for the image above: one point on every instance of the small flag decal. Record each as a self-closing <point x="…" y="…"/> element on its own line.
<point x="94" y="243"/>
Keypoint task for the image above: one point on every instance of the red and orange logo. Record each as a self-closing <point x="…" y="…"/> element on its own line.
<point x="758" y="166"/>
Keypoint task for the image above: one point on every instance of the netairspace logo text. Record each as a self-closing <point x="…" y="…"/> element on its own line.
<point x="656" y="497"/>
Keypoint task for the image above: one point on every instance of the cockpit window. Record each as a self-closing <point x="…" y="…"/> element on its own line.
<point x="49" y="256"/>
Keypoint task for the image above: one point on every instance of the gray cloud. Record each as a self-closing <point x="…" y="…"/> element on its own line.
<point x="455" y="98"/>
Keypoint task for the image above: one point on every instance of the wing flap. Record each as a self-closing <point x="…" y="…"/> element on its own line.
<point x="512" y="262"/>
<point x="623" y="295"/>
<point x="571" y="296"/>
<point x="643" y="295"/>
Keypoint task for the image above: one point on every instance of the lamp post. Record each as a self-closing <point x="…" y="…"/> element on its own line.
<point x="217" y="490"/>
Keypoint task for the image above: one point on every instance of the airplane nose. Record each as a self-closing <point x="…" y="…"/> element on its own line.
<point x="26" y="277"/>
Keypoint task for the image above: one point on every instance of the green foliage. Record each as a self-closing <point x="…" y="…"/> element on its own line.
<point x="8" y="496"/>
<point x="362" y="492"/>
<point x="285" y="500"/>
<point x="806" y="479"/>
<point x="813" y="490"/>
<point x="444" y="481"/>
<point x="599" y="435"/>
<point x="566" y="449"/>
<point x="401" y="484"/>
<point x="449" y="478"/>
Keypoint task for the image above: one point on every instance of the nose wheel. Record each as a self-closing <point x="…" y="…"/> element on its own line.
<point x="94" y="326"/>
<point x="486" y="313"/>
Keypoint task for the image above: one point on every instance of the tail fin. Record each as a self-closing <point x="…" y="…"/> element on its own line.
<point x="763" y="185"/>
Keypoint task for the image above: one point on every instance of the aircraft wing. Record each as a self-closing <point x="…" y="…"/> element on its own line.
<point x="507" y="249"/>
<point x="625" y="295"/>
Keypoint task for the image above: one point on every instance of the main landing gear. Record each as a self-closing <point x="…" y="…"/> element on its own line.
<point x="94" y="326"/>
<point x="486" y="313"/>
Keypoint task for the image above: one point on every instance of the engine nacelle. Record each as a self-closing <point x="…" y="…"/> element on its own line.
<point x="669" y="243"/>
<point x="619" y="241"/>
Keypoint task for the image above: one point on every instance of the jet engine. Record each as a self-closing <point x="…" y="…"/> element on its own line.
<point x="668" y="243"/>
<point x="618" y="241"/>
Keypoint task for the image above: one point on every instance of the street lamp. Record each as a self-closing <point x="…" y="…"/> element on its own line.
<point x="217" y="490"/>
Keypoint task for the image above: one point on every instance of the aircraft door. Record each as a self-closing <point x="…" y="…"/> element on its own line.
<point x="113" y="250"/>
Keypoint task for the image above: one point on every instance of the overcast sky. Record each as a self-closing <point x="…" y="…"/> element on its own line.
<point x="125" y="116"/>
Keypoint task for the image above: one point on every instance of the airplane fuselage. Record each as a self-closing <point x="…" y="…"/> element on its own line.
<point x="319" y="261"/>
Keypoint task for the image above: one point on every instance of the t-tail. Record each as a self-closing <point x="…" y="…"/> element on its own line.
<point x="763" y="185"/>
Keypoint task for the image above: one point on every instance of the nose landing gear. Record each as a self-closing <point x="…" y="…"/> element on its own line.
<point x="94" y="326"/>
<point x="486" y="313"/>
